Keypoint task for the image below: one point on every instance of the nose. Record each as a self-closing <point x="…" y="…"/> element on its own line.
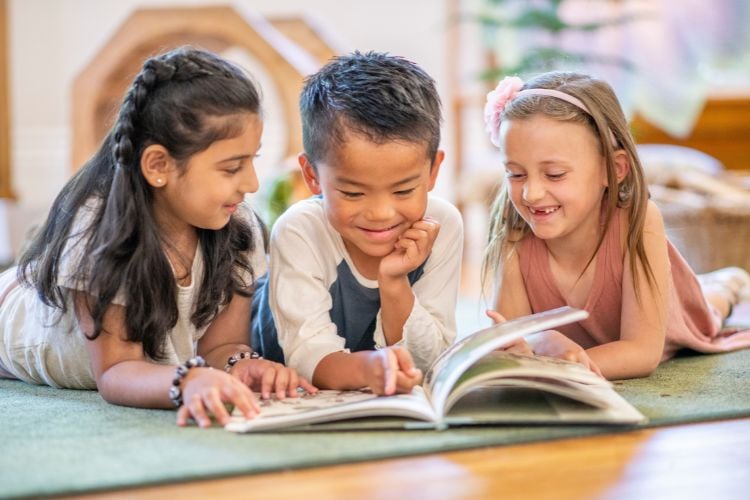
<point x="249" y="182"/>
<point x="533" y="190"/>
<point x="379" y="209"/>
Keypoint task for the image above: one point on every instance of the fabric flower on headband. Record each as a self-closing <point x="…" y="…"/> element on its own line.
<point x="496" y="101"/>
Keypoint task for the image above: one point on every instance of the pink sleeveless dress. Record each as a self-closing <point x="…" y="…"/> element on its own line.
<point x="692" y="323"/>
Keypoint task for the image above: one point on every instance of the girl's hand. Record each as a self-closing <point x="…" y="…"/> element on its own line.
<point x="205" y="392"/>
<point x="556" y="345"/>
<point x="391" y="370"/>
<point x="411" y="249"/>
<point x="266" y="376"/>
<point x="520" y="346"/>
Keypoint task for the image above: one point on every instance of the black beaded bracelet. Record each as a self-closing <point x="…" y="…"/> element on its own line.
<point x="175" y="392"/>
<point x="234" y="358"/>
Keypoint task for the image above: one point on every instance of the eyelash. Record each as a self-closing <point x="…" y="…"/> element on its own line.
<point x="350" y="195"/>
<point x="353" y="196"/>
<point x="552" y="177"/>
<point x="405" y="192"/>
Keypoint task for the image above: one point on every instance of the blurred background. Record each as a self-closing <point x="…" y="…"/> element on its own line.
<point x="680" y="67"/>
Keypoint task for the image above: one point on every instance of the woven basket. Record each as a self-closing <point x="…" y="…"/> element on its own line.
<point x="711" y="236"/>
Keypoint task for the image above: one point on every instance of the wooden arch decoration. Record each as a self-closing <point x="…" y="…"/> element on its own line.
<point x="100" y="87"/>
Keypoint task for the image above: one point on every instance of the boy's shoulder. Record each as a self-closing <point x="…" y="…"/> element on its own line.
<point x="445" y="213"/>
<point x="305" y="219"/>
<point x="441" y="209"/>
<point x="302" y="214"/>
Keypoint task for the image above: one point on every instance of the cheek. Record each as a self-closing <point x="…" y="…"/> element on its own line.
<point x="515" y="191"/>
<point x="336" y="211"/>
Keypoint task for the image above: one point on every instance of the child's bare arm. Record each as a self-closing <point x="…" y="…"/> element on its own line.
<point x="512" y="299"/>
<point x="124" y="376"/>
<point x="227" y="336"/>
<point x="396" y="295"/>
<point x="227" y="333"/>
<point x="643" y="322"/>
<point x="386" y="371"/>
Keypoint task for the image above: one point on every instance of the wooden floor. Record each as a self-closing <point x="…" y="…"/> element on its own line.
<point x="707" y="460"/>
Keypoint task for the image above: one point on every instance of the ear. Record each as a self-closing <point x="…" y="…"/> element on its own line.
<point x="156" y="164"/>
<point x="309" y="174"/>
<point x="622" y="164"/>
<point x="435" y="168"/>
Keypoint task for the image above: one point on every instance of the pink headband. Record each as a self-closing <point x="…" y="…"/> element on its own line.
<point x="555" y="93"/>
<point x="508" y="89"/>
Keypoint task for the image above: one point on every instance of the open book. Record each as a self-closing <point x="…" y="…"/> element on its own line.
<point x="470" y="383"/>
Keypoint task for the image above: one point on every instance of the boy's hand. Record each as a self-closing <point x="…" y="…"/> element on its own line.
<point x="265" y="376"/>
<point x="520" y="346"/>
<point x="411" y="249"/>
<point x="391" y="370"/>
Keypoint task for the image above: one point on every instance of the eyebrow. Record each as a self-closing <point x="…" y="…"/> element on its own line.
<point x="350" y="182"/>
<point x="544" y="163"/>
<point x="240" y="156"/>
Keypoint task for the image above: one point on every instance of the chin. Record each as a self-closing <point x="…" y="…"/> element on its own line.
<point x="217" y="225"/>
<point x="378" y="251"/>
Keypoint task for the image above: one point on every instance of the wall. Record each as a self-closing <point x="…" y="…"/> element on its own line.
<point x="50" y="41"/>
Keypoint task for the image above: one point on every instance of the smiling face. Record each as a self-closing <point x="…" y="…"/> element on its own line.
<point x="555" y="176"/>
<point x="204" y="192"/>
<point x="372" y="193"/>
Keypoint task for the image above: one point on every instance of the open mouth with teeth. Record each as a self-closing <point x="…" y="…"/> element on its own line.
<point x="543" y="210"/>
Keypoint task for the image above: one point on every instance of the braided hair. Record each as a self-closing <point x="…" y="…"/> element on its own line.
<point x="183" y="100"/>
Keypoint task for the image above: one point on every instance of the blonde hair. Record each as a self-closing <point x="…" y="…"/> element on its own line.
<point x="607" y="122"/>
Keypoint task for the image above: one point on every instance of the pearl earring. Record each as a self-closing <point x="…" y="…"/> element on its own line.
<point x="159" y="181"/>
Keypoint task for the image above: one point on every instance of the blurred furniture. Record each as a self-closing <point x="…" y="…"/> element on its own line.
<point x="722" y="130"/>
<point x="706" y="209"/>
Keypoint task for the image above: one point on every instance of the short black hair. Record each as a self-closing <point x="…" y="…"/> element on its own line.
<point x="380" y="96"/>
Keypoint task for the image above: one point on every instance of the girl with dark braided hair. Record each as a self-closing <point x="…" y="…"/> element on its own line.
<point x="149" y="255"/>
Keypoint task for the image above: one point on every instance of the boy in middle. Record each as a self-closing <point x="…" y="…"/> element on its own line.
<point x="364" y="276"/>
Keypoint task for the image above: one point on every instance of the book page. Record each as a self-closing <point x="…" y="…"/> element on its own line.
<point x="329" y="406"/>
<point x="448" y="368"/>
<point x="523" y="405"/>
<point x="506" y="387"/>
<point x="557" y="376"/>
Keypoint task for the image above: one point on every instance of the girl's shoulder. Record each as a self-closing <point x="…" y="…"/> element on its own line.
<point x="86" y="213"/>
<point x="75" y="261"/>
<point x="653" y="221"/>
<point x="82" y="225"/>
<point x="653" y="224"/>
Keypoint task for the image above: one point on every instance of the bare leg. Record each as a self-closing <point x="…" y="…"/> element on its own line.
<point x="718" y="297"/>
<point x="725" y="287"/>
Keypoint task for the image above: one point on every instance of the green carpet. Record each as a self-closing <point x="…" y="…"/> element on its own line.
<point x="66" y="442"/>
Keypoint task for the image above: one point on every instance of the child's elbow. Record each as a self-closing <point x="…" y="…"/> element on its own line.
<point x="647" y="366"/>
